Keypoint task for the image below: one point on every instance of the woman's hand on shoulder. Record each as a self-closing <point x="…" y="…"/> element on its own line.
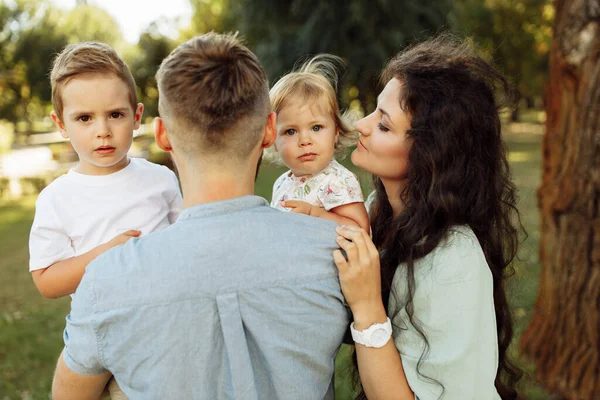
<point x="360" y="275"/>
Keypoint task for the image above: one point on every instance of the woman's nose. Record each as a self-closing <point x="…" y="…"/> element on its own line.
<point x="362" y="126"/>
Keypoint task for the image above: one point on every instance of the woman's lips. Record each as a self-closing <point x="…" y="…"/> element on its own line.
<point x="361" y="146"/>
<point x="307" y="157"/>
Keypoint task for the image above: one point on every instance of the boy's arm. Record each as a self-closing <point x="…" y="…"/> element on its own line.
<point x="62" y="278"/>
<point x="347" y="214"/>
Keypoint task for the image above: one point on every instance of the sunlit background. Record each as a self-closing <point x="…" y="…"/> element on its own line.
<point x="514" y="34"/>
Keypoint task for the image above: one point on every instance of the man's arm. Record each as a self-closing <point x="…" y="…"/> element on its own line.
<point x="62" y="278"/>
<point x="68" y="385"/>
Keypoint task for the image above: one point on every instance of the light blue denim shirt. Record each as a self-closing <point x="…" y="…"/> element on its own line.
<point x="236" y="300"/>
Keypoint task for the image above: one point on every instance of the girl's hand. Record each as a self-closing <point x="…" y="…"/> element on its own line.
<point x="297" y="206"/>
<point x="360" y="275"/>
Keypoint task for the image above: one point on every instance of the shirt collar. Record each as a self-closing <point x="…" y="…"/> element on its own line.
<point x="222" y="207"/>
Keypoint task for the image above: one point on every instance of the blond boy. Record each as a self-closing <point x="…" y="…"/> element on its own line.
<point x="108" y="198"/>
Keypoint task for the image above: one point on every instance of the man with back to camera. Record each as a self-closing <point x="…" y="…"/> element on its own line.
<point x="235" y="299"/>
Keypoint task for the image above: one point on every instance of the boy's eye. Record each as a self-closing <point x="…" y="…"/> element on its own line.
<point x="289" y="132"/>
<point x="383" y="128"/>
<point x="317" y="128"/>
<point x="116" y="114"/>
<point x="83" y="118"/>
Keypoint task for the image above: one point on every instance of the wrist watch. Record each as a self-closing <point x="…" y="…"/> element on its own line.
<point x="377" y="335"/>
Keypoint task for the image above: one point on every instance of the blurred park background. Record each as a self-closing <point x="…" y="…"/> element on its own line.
<point x="515" y="34"/>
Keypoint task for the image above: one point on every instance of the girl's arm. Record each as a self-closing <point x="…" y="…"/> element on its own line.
<point x="348" y="214"/>
<point x="62" y="278"/>
<point x="381" y="371"/>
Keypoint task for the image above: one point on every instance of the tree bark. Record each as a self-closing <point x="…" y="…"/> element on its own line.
<point x="563" y="335"/>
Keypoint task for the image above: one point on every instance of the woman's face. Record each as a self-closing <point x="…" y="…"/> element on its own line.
<point x="383" y="146"/>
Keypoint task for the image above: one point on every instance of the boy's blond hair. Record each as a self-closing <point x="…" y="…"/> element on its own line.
<point x="88" y="58"/>
<point x="213" y="96"/>
<point x="315" y="78"/>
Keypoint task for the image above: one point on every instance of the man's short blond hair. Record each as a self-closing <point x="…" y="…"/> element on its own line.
<point x="213" y="96"/>
<point x="88" y="58"/>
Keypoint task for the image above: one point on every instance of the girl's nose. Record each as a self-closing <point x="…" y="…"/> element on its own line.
<point x="304" y="139"/>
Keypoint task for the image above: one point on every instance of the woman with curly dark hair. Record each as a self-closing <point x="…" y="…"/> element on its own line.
<point x="444" y="232"/>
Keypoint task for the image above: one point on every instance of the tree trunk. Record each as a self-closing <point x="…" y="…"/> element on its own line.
<point x="563" y="335"/>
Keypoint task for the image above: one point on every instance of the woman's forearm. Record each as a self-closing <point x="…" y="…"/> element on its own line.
<point x="381" y="371"/>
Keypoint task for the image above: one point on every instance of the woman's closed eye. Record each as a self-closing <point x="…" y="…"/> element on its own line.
<point x="383" y="128"/>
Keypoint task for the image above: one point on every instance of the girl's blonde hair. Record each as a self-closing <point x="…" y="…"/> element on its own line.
<point x="316" y="77"/>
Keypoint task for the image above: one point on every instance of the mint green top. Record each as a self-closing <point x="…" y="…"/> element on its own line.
<point x="454" y="305"/>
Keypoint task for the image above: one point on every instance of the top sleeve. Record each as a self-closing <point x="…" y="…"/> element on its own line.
<point x="82" y="352"/>
<point x="176" y="204"/>
<point x="48" y="240"/>
<point x="341" y="188"/>
<point x="454" y="307"/>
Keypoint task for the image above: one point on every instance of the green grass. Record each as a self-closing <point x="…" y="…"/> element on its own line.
<point x="31" y="326"/>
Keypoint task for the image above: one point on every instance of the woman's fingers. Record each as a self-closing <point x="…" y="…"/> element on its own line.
<point x="340" y="261"/>
<point x="359" y="239"/>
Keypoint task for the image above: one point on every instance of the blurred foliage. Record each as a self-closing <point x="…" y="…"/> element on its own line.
<point x="515" y="34"/>
<point x="364" y="33"/>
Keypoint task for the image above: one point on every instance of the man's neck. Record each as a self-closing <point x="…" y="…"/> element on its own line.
<point x="201" y="187"/>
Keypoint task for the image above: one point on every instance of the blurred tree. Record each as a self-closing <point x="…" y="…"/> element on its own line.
<point x="91" y="23"/>
<point x="515" y="34"/>
<point x="151" y="49"/>
<point x="364" y="33"/>
<point x="563" y="336"/>
<point x="29" y="39"/>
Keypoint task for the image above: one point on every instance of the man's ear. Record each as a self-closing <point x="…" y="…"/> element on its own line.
<point x="270" y="131"/>
<point x="137" y="119"/>
<point x="59" y="124"/>
<point x="160" y="135"/>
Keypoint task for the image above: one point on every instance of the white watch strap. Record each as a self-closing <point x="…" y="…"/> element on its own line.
<point x="365" y="337"/>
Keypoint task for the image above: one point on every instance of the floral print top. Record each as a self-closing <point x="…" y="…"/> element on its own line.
<point x="332" y="187"/>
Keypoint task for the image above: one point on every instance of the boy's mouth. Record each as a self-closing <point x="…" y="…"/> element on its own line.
<point x="104" y="150"/>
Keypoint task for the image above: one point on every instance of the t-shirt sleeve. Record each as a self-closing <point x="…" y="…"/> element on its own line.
<point x="176" y="204"/>
<point x="454" y="307"/>
<point x="48" y="240"/>
<point x="339" y="189"/>
<point x="82" y="352"/>
<point x="275" y="200"/>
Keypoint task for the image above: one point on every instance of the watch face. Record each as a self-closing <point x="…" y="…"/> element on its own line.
<point x="380" y="337"/>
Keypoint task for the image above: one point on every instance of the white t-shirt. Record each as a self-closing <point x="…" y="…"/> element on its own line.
<point x="77" y="212"/>
<point x="333" y="187"/>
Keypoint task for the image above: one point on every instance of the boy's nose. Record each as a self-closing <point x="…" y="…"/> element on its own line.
<point x="103" y="131"/>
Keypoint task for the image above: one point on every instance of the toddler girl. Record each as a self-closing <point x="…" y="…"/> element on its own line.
<point x="310" y="130"/>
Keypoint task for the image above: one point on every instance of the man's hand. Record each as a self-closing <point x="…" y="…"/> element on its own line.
<point x="300" y="207"/>
<point x="123" y="237"/>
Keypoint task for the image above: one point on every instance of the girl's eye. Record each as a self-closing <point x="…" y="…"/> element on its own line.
<point x="116" y="114"/>
<point x="383" y="128"/>
<point x="317" y="128"/>
<point x="83" y="118"/>
<point x="289" y="132"/>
